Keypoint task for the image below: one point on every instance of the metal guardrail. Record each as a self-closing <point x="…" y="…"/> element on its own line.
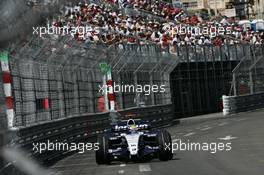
<point x="81" y="128"/>
<point x="236" y="104"/>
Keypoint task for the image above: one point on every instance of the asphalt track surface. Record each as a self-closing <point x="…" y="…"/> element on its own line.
<point x="244" y="131"/>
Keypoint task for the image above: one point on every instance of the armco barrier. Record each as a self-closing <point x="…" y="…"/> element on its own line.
<point x="82" y="128"/>
<point x="235" y="104"/>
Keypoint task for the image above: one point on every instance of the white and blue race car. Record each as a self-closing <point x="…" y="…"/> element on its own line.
<point x="133" y="140"/>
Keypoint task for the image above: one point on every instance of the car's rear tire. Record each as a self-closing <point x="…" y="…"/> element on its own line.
<point x="101" y="155"/>
<point x="165" y="143"/>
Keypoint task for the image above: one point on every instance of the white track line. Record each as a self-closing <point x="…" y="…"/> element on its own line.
<point x="82" y="164"/>
<point x="241" y="119"/>
<point x="204" y="129"/>
<point x="222" y="124"/>
<point x="122" y="165"/>
<point x="144" y="168"/>
<point x="189" y="134"/>
<point x="70" y="165"/>
<point x="121" y="172"/>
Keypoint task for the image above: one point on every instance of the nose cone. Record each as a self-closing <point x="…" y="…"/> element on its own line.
<point x="132" y="141"/>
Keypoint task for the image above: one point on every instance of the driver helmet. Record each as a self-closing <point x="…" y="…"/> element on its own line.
<point x="131" y="125"/>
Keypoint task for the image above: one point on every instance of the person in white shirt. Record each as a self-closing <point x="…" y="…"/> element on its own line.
<point x="207" y="41"/>
<point x="200" y="41"/>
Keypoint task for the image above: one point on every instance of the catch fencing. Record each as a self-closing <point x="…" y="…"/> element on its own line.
<point x="57" y="77"/>
<point x="247" y="86"/>
<point x="248" y="76"/>
<point x="65" y="74"/>
<point x="202" y="77"/>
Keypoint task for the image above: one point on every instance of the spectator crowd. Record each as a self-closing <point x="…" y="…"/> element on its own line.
<point x="105" y="24"/>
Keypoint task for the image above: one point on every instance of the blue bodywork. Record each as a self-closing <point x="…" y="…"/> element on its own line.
<point x="118" y="145"/>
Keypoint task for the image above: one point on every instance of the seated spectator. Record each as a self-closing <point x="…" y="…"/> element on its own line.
<point x="106" y="25"/>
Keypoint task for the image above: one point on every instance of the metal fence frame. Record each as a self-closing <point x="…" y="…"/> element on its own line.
<point x="248" y="74"/>
<point x="66" y="72"/>
<point x="202" y="77"/>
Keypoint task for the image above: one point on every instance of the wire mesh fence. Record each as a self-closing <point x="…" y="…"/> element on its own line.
<point x="64" y="74"/>
<point x="202" y="77"/>
<point x="248" y="75"/>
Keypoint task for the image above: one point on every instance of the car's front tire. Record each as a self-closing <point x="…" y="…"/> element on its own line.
<point x="165" y="143"/>
<point x="101" y="155"/>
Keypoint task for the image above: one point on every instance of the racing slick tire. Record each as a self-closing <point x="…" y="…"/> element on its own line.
<point x="165" y="143"/>
<point x="101" y="155"/>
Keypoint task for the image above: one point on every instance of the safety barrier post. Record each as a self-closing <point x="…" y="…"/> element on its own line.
<point x="2" y="121"/>
<point x="7" y="88"/>
<point x="110" y="91"/>
<point x="229" y="104"/>
<point x="108" y="86"/>
<point x="106" y="106"/>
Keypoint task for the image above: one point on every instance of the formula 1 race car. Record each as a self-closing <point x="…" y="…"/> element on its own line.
<point x="133" y="140"/>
